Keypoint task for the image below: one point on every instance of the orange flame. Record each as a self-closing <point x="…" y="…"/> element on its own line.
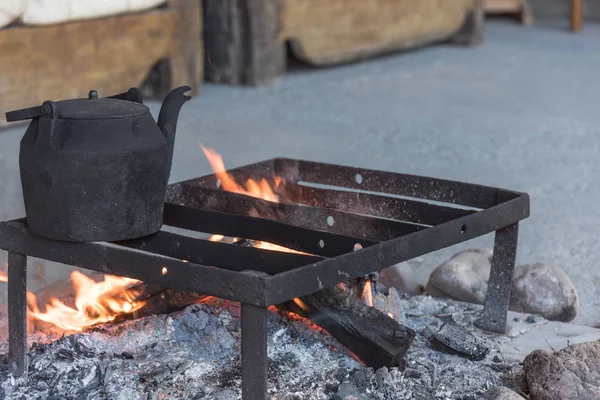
<point x="276" y="247"/>
<point x="216" y="238"/>
<point x="367" y="294"/>
<point x="301" y="304"/>
<point x="260" y="189"/>
<point x="4" y="273"/>
<point x="95" y="302"/>
<point x="291" y="316"/>
<point x="259" y="244"/>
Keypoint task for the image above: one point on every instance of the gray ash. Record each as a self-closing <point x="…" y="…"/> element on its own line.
<point x="195" y="354"/>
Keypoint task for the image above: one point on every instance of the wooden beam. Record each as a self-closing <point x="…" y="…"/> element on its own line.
<point x="110" y="55"/>
<point x="326" y="32"/>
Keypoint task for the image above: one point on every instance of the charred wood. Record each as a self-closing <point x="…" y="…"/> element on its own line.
<point x="377" y="339"/>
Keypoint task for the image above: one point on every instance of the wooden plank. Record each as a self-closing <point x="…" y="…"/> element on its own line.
<point x="334" y="31"/>
<point x="109" y="55"/>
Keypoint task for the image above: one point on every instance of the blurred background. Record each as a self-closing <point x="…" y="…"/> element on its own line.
<point x="499" y="92"/>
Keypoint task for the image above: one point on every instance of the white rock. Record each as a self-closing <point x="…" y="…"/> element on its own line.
<point x="545" y="290"/>
<point x="402" y="277"/>
<point x="464" y="277"/>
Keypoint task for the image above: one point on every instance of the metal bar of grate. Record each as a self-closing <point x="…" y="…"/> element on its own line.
<point x="400" y="209"/>
<point x="220" y="255"/>
<point x="148" y="267"/>
<point x="254" y="352"/>
<point x="17" y="313"/>
<point x="309" y="217"/>
<point x="465" y="194"/>
<point x="499" y="285"/>
<point x="314" y="277"/>
<point x="293" y="237"/>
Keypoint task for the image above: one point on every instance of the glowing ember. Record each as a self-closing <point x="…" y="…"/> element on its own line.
<point x="301" y="304"/>
<point x="95" y="302"/>
<point x="290" y="316"/>
<point x="260" y="189"/>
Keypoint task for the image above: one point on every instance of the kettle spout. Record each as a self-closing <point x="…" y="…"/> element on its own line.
<point x="167" y="117"/>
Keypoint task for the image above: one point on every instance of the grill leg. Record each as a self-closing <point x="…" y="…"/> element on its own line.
<point x="498" y="294"/>
<point x="254" y="352"/>
<point x="17" y="313"/>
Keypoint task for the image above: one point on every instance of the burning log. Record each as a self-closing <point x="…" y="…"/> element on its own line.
<point x="161" y="300"/>
<point x="374" y="337"/>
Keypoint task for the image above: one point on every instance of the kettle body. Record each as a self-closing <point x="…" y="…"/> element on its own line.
<point x="95" y="169"/>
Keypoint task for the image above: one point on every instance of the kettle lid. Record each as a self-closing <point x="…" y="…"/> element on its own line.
<point x="90" y="108"/>
<point x="103" y="108"/>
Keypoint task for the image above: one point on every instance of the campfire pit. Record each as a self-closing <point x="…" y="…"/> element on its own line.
<point x="350" y="222"/>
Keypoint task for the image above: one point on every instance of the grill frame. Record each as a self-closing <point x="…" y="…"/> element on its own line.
<point x="397" y="216"/>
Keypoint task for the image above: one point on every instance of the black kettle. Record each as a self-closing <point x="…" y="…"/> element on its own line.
<point x="97" y="169"/>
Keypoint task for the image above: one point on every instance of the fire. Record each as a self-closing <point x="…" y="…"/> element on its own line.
<point x="275" y="247"/>
<point x="216" y="238"/>
<point x="257" y="243"/>
<point x="95" y="302"/>
<point x="367" y="294"/>
<point x="290" y="316"/>
<point x="261" y="189"/>
<point x="301" y="304"/>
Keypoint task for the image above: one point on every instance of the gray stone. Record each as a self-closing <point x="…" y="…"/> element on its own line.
<point x="545" y="290"/>
<point x="402" y="277"/>
<point x="464" y="277"/>
<point x="571" y="373"/>
<point x="501" y="393"/>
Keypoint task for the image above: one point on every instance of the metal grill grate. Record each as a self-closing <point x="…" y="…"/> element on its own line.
<point x="324" y="210"/>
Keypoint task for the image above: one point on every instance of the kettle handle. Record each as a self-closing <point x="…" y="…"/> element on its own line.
<point x="47" y="125"/>
<point x="48" y="108"/>
<point x="133" y="94"/>
<point x="23" y="114"/>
